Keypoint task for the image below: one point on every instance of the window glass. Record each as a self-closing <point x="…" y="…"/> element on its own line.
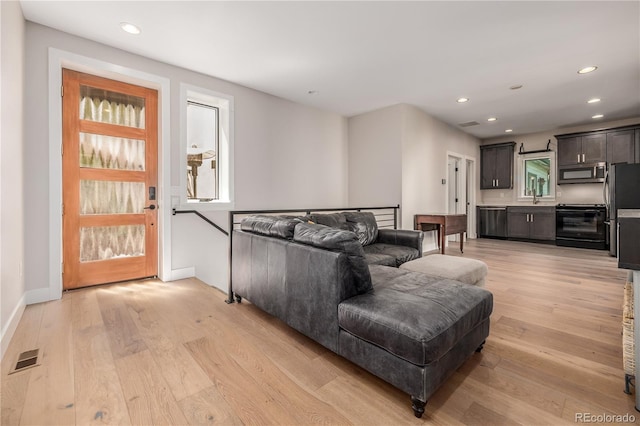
<point x="537" y="177"/>
<point x="202" y="147"/>
<point x="105" y="106"/>
<point x="206" y="134"/>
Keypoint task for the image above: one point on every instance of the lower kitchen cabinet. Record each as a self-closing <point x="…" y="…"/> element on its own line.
<point x="531" y="223"/>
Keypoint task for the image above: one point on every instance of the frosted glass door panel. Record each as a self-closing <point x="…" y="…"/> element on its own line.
<point x="108" y="197"/>
<point x="108" y="152"/>
<point x="111" y="242"/>
<point x="111" y="107"/>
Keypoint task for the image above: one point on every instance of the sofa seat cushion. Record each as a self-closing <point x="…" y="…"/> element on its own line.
<point x="414" y="316"/>
<point x="379" y="254"/>
<point x="379" y="259"/>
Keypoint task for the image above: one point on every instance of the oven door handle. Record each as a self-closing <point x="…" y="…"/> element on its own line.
<point x="578" y="211"/>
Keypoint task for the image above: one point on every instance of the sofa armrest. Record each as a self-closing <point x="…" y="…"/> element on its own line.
<point x="402" y="237"/>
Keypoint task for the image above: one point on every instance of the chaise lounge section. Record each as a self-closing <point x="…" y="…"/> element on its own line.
<point x="408" y="328"/>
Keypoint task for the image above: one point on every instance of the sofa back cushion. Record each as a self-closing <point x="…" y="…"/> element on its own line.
<point x="364" y="225"/>
<point x="334" y="220"/>
<point x="341" y="241"/>
<point x="272" y="226"/>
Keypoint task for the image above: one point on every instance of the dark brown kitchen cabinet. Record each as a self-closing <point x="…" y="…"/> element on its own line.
<point x="582" y="149"/>
<point x="496" y="166"/>
<point x="637" y="145"/>
<point x="621" y="146"/>
<point x="531" y="223"/>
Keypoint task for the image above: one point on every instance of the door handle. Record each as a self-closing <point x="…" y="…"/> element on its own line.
<point x="151" y="207"/>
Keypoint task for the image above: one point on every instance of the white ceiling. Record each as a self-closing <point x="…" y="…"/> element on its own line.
<point x="360" y="56"/>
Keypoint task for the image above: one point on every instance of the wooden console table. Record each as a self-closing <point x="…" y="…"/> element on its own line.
<point x="446" y="224"/>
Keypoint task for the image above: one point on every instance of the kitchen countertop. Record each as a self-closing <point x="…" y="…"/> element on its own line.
<point x="523" y="204"/>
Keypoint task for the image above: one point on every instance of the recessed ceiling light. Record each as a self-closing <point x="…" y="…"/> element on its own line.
<point x="593" y="101"/>
<point x="508" y="131"/>
<point x="588" y="69"/>
<point x="130" y="28"/>
<point x="598" y="116"/>
<point x="491" y="119"/>
<point x="516" y="87"/>
<point x="462" y="100"/>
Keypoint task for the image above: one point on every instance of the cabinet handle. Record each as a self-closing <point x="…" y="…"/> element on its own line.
<point x="497" y="182"/>
<point x="531" y="217"/>
<point x="527" y="217"/>
<point x="583" y="158"/>
<point x="578" y="158"/>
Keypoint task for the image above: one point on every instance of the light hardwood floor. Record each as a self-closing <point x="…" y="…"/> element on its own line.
<point x="174" y="353"/>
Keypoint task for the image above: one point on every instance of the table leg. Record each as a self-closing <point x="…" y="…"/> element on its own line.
<point x="442" y="234"/>
<point x="461" y="241"/>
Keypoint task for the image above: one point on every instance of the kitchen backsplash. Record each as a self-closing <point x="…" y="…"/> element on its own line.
<point x="584" y="193"/>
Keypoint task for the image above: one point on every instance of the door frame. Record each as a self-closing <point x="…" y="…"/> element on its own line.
<point x="466" y="189"/>
<point x="59" y="59"/>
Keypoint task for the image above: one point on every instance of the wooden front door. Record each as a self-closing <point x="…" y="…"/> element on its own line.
<point x="109" y="181"/>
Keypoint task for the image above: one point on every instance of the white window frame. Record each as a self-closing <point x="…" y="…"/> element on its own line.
<point x="224" y="156"/>
<point x="520" y="180"/>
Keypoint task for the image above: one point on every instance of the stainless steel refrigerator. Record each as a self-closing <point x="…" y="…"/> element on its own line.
<point x="621" y="191"/>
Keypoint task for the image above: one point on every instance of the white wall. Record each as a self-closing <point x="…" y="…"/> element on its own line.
<point x="398" y="155"/>
<point x="375" y="158"/>
<point x="286" y="156"/>
<point x="12" y="285"/>
<point x="587" y="193"/>
<point x="426" y="144"/>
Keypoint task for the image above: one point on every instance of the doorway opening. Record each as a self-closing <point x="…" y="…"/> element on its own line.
<point x="461" y="191"/>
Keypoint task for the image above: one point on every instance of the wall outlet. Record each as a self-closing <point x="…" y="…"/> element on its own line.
<point x="444" y="181"/>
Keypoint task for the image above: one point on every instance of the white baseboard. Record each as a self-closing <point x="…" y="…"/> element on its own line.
<point x="12" y="324"/>
<point x="182" y="273"/>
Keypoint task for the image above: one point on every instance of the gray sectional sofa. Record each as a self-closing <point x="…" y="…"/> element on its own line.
<point x="408" y="328"/>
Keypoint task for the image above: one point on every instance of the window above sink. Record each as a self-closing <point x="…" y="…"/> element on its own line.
<point x="536" y="176"/>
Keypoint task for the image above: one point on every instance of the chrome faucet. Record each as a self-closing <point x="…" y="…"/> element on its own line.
<point x="535" y="198"/>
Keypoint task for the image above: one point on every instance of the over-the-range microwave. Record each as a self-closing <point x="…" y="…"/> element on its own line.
<point x="582" y="173"/>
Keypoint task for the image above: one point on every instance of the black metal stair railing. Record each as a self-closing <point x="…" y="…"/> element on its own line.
<point x="203" y="217"/>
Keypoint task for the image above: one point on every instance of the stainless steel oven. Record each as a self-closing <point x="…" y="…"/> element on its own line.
<point x="581" y="225"/>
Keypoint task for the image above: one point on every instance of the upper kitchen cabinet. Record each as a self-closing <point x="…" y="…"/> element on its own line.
<point x="621" y="146"/>
<point x="582" y="148"/>
<point x="496" y="166"/>
<point x="638" y="145"/>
